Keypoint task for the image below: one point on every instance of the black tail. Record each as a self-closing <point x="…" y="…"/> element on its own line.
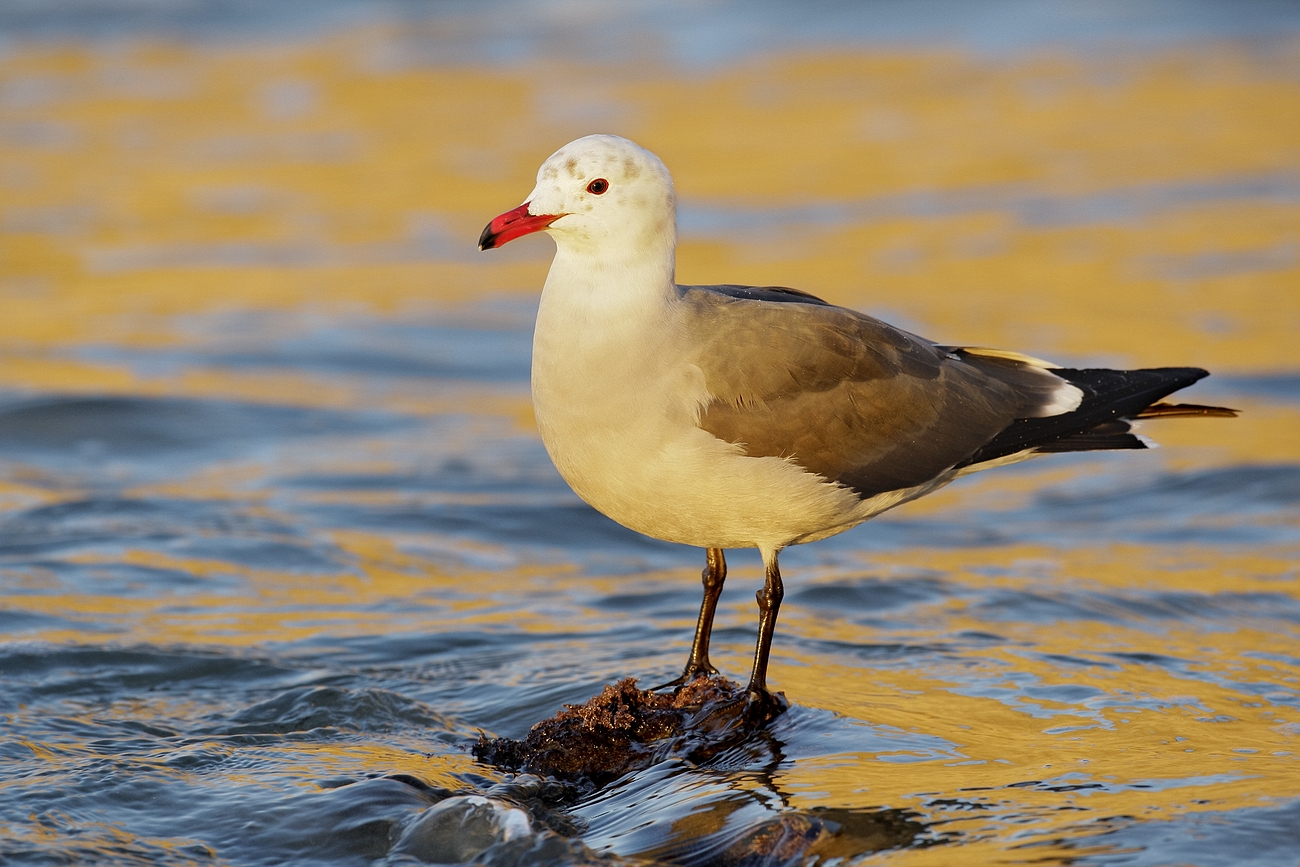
<point x="1112" y="399"/>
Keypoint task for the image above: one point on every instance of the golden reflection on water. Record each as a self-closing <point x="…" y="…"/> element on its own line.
<point x="160" y="181"/>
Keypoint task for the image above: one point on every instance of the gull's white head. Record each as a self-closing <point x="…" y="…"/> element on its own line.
<point x="602" y="193"/>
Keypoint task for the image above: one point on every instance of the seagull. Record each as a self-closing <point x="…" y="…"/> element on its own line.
<point x="761" y="416"/>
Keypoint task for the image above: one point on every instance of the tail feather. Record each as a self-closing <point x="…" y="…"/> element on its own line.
<point x="1112" y="400"/>
<point x="1185" y="410"/>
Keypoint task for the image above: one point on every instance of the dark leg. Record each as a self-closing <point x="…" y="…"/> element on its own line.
<point x="715" y="573"/>
<point x="713" y="576"/>
<point x="757" y="705"/>
<point x="769" y="604"/>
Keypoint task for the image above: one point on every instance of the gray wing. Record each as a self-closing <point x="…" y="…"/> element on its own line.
<point x="848" y="396"/>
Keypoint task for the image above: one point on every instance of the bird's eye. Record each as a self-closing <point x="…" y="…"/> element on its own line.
<point x="598" y="186"/>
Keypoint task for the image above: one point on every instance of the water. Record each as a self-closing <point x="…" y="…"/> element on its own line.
<point x="278" y="540"/>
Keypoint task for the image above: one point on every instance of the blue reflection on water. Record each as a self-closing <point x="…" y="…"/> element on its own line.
<point x="693" y="33"/>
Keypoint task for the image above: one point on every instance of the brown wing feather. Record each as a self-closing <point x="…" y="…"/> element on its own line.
<point x="845" y="395"/>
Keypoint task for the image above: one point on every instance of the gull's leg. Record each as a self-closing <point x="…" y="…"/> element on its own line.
<point x="761" y="699"/>
<point x="715" y="573"/>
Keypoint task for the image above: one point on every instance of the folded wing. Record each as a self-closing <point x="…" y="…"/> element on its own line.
<point x="877" y="409"/>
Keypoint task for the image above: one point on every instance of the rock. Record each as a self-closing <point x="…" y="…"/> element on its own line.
<point x="625" y="728"/>
<point x="461" y="828"/>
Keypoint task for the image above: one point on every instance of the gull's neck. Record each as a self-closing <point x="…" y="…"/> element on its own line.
<point x="603" y="327"/>
<point x="610" y="290"/>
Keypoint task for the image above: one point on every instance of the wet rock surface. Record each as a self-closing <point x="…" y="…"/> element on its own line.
<point x="625" y="728"/>
<point x="476" y="829"/>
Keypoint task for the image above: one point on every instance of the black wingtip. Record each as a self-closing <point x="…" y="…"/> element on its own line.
<point x="1112" y="398"/>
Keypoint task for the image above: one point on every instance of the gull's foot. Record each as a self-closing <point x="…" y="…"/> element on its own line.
<point x="690" y="675"/>
<point x="749" y="709"/>
<point x="762" y="706"/>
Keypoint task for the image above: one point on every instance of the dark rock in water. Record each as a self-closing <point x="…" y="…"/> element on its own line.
<point x="790" y="837"/>
<point x="462" y="827"/>
<point x="465" y="829"/>
<point x="625" y="728"/>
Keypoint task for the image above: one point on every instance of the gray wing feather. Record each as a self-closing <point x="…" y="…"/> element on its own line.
<point x="845" y="395"/>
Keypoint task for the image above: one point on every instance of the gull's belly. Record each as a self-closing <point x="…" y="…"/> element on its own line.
<point x="636" y="455"/>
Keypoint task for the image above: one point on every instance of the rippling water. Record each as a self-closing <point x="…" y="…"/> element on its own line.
<point x="278" y="540"/>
